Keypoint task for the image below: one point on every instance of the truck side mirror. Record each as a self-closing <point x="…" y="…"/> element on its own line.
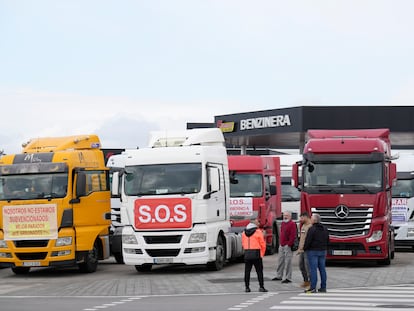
<point x="81" y="185"/>
<point x="233" y="178"/>
<point x="392" y="174"/>
<point x="273" y="190"/>
<point x="115" y="185"/>
<point x="295" y="175"/>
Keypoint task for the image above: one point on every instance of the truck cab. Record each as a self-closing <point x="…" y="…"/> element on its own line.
<point x="175" y="201"/>
<point x="54" y="205"/>
<point x="403" y="201"/>
<point x="290" y="194"/>
<point x="255" y="194"/>
<point x="347" y="176"/>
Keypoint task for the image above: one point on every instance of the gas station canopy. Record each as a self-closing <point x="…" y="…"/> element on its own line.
<point x="286" y="128"/>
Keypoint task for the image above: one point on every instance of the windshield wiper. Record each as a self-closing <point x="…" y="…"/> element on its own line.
<point x="361" y="188"/>
<point x="324" y="188"/>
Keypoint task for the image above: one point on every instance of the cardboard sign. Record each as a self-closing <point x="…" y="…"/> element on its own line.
<point x="30" y="222"/>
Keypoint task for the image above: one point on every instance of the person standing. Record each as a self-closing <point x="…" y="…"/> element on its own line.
<point x="316" y="245"/>
<point x="288" y="233"/>
<point x="306" y="223"/>
<point x="254" y="247"/>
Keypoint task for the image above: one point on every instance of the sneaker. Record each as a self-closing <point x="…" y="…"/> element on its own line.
<point x="277" y="279"/>
<point x="305" y="284"/>
<point x="310" y="291"/>
<point x="247" y="290"/>
<point x="322" y="290"/>
<point x="263" y="290"/>
<point x="286" y="281"/>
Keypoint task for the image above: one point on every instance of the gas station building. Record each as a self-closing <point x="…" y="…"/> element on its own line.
<point x="286" y="128"/>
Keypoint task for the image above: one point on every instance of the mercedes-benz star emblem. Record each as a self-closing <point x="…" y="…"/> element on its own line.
<point x="342" y="211"/>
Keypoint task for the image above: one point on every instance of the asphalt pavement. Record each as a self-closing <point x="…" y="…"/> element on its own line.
<point x="116" y="280"/>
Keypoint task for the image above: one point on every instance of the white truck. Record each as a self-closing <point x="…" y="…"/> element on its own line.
<point x="290" y="194"/>
<point x="175" y="201"/>
<point x="403" y="201"/>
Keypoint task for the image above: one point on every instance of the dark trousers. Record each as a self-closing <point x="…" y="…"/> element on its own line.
<point x="258" y="265"/>
<point x="304" y="266"/>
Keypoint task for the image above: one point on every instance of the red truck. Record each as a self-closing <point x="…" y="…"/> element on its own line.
<point x="255" y="194"/>
<point x="347" y="177"/>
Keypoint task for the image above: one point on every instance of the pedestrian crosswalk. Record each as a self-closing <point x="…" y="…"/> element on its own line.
<point x="383" y="298"/>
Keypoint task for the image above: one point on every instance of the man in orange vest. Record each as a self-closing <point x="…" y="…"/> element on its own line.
<point x="254" y="247"/>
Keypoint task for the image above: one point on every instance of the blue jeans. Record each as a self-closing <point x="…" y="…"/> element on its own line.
<point x="317" y="261"/>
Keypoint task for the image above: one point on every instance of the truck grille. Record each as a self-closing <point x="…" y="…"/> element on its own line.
<point x="163" y="252"/>
<point x="163" y="239"/>
<point x="356" y="222"/>
<point x="31" y="256"/>
<point x="31" y="243"/>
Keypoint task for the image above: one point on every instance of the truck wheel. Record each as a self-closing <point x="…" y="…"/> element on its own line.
<point x="90" y="261"/>
<point x="218" y="264"/>
<point x="21" y="270"/>
<point x="386" y="261"/>
<point x="119" y="258"/>
<point x="144" y="268"/>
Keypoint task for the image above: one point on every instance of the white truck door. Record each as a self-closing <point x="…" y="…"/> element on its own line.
<point x="216" y="198"/>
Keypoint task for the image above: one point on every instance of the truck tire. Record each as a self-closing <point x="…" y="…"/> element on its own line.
<point x="144" y="268"/>
<point x="119" y="258"/>
<point x="90" y="262"/>
<point x="21" y="270"/>
<point x="218" y="264"/>
<point x="386" y="261"/>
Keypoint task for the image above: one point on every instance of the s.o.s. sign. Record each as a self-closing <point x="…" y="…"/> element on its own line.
<point x="168" y="213"/>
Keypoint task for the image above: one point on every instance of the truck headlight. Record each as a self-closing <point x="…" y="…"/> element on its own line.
<point x="129" y="239"/>
<point x="3" y="244"/>
<point x="410" y="232"/>
<point x="5" y="255"/>
<point x="197" y="237"/>
<point x="64" y="241"/>
<point x="376" y="236"/>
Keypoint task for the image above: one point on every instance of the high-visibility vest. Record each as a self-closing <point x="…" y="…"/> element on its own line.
<point x="255" y="241"/>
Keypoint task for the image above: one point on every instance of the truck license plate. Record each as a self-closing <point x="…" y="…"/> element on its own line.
<point x="161" y="261"/>
<point x="31" y="264"/>
<point x="342" y="253"/>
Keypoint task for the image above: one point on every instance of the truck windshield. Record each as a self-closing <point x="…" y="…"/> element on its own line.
<point x="246" y="185"/>
<point x="290" y="193"/>
<point x="33" y="186"/>
<point x="163" y="179"/>
<point x="352" y="176"/>
<point x="403" y="189"/>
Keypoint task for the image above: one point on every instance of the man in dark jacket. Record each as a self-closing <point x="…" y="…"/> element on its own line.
<point x="316" y="245"/>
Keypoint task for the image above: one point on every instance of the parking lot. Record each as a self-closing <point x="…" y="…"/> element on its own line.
<point x="112" y="279"/>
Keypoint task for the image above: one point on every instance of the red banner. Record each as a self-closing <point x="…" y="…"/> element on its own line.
<point x="165" y="213"/>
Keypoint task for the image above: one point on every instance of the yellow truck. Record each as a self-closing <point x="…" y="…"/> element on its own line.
<point x="55" y="205"/>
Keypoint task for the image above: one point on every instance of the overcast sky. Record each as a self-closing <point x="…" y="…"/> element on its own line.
<point x="123" y="68"/>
